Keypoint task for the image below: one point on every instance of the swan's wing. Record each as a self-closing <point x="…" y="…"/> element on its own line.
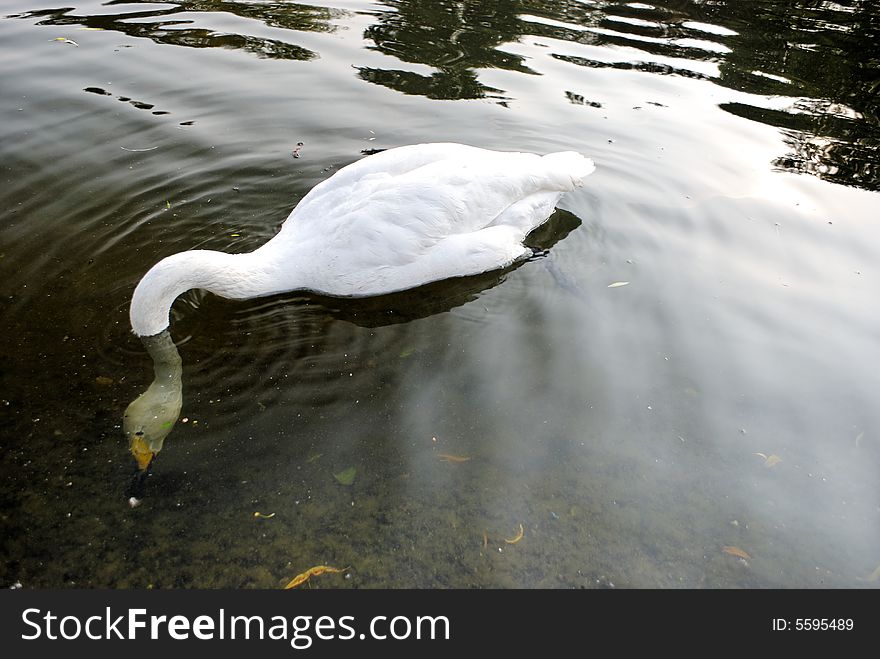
<point x="391" y="208"/>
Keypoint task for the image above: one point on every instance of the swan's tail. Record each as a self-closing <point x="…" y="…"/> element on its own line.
<point x="574" y="164"/>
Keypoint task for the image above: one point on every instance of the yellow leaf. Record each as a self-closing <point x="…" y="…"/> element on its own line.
<point x="735" y="551"/>
<point x="264" y="516"/>
<point x="312" y="572"/>
<point x="517" y="537"/>
<point x="769" y="460"/>
<point x="447" y="457"/>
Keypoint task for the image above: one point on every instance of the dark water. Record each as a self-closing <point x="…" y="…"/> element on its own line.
<point x="725" y="398"/>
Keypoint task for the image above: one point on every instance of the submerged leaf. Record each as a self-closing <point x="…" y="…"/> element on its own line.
<point x="346" y="476"/>
<point x="313" y="572"/>
<point x="772" y="460"/>
<point x="517" y="537"/>
<point x="448" y="457"/>
<point x="735" y="551"/>
<point x="769" y="460"/>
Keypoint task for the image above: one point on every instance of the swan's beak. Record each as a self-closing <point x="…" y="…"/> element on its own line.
<point x="142" y="453"/>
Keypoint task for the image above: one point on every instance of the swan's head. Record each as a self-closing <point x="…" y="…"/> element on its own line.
<point x="149" y="419"/>
<point x="151" y="416"/>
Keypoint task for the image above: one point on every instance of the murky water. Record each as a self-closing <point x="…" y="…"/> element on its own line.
<point x="714" y="423"/>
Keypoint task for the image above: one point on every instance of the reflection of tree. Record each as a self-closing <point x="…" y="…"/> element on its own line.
<point x="824" y="55"/>
<point x="169" y="26"/>
<point x="456" y="37"/>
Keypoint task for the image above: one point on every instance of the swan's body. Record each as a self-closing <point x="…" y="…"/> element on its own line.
<point x="396" y="220"/>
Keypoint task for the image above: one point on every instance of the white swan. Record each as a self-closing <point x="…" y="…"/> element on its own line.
<point x="396" y="220"/>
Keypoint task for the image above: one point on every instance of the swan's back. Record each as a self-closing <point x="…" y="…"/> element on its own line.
<point x="420" y="213"/>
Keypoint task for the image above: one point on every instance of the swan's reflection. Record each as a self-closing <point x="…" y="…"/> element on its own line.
<point x="150" y="418"/>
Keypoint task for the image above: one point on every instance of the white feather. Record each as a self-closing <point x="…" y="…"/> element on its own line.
<point x="396" y="220"/>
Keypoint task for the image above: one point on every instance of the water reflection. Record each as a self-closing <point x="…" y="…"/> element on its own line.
<point x="820" y="91"/>
<point x="830" y="120"/>
<point x="178" y="23"/>
<point x="455" y="38"/>
<point x="812" y="52"/>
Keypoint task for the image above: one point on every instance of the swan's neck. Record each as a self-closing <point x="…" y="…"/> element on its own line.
<point x="235" y="276"/>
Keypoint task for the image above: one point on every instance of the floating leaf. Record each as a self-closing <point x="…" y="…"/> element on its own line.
<point x="617" y="284"/>
<point x="235" y="235"/>
<point x="263" y="515"/>
<point x="735" y="551"/>
<point x="447" y="457"/>
<point x="65" y="40"/>
<point x="346" y="476"/>
<point x="313" y="572"/>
